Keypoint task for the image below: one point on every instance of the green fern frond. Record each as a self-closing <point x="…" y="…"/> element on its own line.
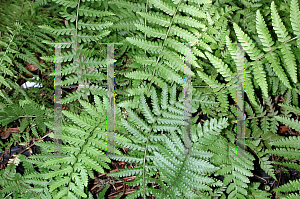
<point x="66" y="3"/>
<point x="165" y="113"/>
<point x="153" y="32"/>
<point x="156" y="18"/>
<point x="256" y="193"/>
<point x="289" y="122"/>
<point x="201" y="1"/>
<point x="254" y="53"/>
<point x="221" y="67"/>
<point x="69" y="30"/>
<point x="129" y="5"/>
<point x="285" y="152"/>
<point x="87" y="11"/>
<point x="290" y="186"/>
<point x="92" y="25"/>
<point x="288" y="55"/>
<point x="88" y="38"/>
<point x="291" y="141"/>
<point x="267" y="167"/>
<point x="265" y="37"/>
<point x="184" y="34"/>
<point x="188" y="21"/>
<point x="293" y="109"/>
<point x="294" y="15"/>
<point x="86" y="145"/>
<point x="164" y="7"/>
<point x="192" y="10"/>
<point x="144" y="44"/>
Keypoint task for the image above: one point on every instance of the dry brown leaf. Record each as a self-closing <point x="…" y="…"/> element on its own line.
<point x="31" y="67"/>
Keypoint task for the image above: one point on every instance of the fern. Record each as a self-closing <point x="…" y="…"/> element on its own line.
<point x="173" y="164"/>
<point x="267" y="42"/>
<point x="164" y="52"/>
<point x="289" y="152"/>
<point x="13" y="182"/>
<point x="83" y="151"/>
<point x="85" y="60"/>
<point x="20" y="46"/>
<point x="186" y="161"/>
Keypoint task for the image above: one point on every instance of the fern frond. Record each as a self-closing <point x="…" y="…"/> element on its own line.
<point x="184" y="34"/>
<point x="290" y="186"/>
<point x="289" y="122"/>
<point x="87" y="11"/>
<point x="164" y="7"/>
<point x="267" y="167"/>
<point x="144" y="44"/>
<point x="288" y="55"/>
<point x="291" y="141"/>
<point x="294" y="15"/>
<point x="190" y="9"/>
<point x="255" y="192"/>
<point x="254" y="53"/>
<point x="293" y="109"/>
<point x="85" y="144"/>
<point x="207" y="79"/>
<point x="92" y="25"/>
<point x="156" y="18"/>
<point x="66" y="3"/>
<point x="88" y="38"/>
<point x="69" y="30"/>
<point x="129" y="5"/>
<point x="146" y="150"/>
<point x="265" y="37"/>
<point x="188" y="21"/>
<point x="285" y="152"/>
<point x="221" y="67"/>
<point x="153" y="32"/>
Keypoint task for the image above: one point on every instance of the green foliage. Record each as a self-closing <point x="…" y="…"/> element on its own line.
<point x="21" y="39"/>
<point x="155" y="151"/>
<point x="82" y="152"/>
<point x="151" y="66"/>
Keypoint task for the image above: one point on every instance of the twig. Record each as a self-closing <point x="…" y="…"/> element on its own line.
<point x="7" y="195"/>
<point x="29" y="146"/>
<point x="279" y="180"/>
<point x="261" y="178"/>
<point x="35" y="142"/>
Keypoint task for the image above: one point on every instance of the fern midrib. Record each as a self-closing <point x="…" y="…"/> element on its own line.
<point x="145" y="153"/>
<point x="5" y="54"/>
<point x="77" y="158"/>
<point x="145" y="25"/>
<point x="144" y="160"/>
<point x="76" y="50"/>
<point x="180" y="170"/>
<point x="163" y="45"/>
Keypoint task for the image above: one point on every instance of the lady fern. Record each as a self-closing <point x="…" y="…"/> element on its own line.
<point x="153" y="35"/>
<point x="82" y="151"/>
<point x="173" y="164"/>
<point x="85" y="66"/>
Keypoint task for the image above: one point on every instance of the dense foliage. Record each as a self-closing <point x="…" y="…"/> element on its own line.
<point x="149" y="41"/>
